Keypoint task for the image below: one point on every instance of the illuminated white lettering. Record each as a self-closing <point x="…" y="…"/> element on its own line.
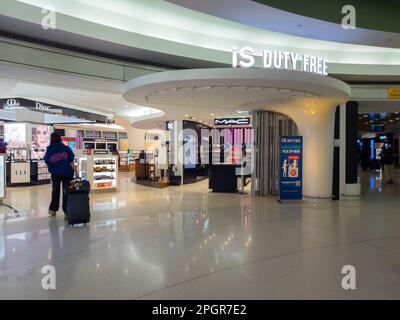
<point x="246" y="54"/>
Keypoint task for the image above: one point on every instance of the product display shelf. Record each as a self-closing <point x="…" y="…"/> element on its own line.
<point x="43" y="173"/>
<point x="82" y="167"/>
<point x="126" y="161"/>
<point x="103" y="172"/>
<point x="152" y="174"/>
<point x="216" y="154"/>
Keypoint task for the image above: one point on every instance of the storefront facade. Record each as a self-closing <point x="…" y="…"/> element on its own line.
<point x="25" y="134"/>
<point x="310" y="100"/>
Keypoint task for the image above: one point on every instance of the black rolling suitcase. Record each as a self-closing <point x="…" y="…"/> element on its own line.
<point x="78" y="208"/>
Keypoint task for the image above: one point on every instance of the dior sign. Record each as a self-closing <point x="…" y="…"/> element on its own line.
<point x="11" y="102"/>
<point x="41" y="106"/>
<point x="19" y="103"/>
<point x="20" y="172"/>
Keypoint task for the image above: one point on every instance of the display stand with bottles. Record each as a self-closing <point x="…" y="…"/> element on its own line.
<point x="126" y="161"/>
<point x="103" y="173"/>
<point x="23" y="169"/>
<point x="101" y="170"/>
<point x="81" y="162"/>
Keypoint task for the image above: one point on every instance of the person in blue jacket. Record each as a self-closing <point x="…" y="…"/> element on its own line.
<point x="60" y="162"/>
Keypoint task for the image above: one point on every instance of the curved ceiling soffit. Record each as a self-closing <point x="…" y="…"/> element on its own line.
<point x="171" y="98"/>
<point x="190" y="34"/>
<point x="376" y="23"/>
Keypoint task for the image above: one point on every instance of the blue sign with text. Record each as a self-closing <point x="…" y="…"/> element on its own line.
<point x="291" y="171"/>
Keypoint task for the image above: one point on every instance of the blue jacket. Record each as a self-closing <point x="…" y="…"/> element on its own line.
<point x="58" y="158"/>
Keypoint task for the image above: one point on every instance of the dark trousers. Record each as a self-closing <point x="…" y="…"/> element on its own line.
<point x="56" y="180"/>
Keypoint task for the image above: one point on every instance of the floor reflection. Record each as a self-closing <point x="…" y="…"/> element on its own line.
<point x="147" y="242"/>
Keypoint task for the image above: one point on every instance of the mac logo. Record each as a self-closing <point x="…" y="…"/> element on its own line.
<point x="232" y="122"/>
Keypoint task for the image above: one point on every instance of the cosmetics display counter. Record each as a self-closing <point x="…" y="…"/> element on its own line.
<point x="223" y="178"/>
<point x="126" y="161"/>
<point x="27" y="173"/>
<point x="100" y="168"/>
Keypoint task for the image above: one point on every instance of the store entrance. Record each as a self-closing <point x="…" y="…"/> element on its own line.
<point x="378" y="146"/>
<point x="188" y="152"/>
<point x="25" y="134"/>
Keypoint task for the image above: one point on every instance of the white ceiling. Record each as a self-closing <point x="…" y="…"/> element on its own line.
<point x="262" y="16"/>
<point x="176" y="33"/>
<point x="78" y="92"/>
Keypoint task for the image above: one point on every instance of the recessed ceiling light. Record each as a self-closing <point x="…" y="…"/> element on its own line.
<point x="212" y="114"/>
<point x="186" y="115"/>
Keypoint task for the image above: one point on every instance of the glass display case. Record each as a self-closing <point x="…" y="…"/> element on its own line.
<point x="101" y="170"/>
<point x="126" y="161"/>
<point x="42" y="171"/>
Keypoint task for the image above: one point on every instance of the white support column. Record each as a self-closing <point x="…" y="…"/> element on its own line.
<point x="317" y="129"/>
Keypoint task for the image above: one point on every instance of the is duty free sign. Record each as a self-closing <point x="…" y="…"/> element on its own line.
<point x="282" y="60"/>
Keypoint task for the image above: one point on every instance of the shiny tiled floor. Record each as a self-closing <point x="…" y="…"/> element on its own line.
<point x="188" y="243"/>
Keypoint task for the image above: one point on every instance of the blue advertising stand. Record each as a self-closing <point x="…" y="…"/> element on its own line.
<point x="291" y="171"/>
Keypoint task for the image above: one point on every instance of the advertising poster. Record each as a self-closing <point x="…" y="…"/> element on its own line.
<point x="190" y="152"/>
<point x="40" y="141"/>
<point x="72" y="144"/>
<point x="15" y="134"/>
<point x="123" y="144"/>
<point x="291" y="161"/>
